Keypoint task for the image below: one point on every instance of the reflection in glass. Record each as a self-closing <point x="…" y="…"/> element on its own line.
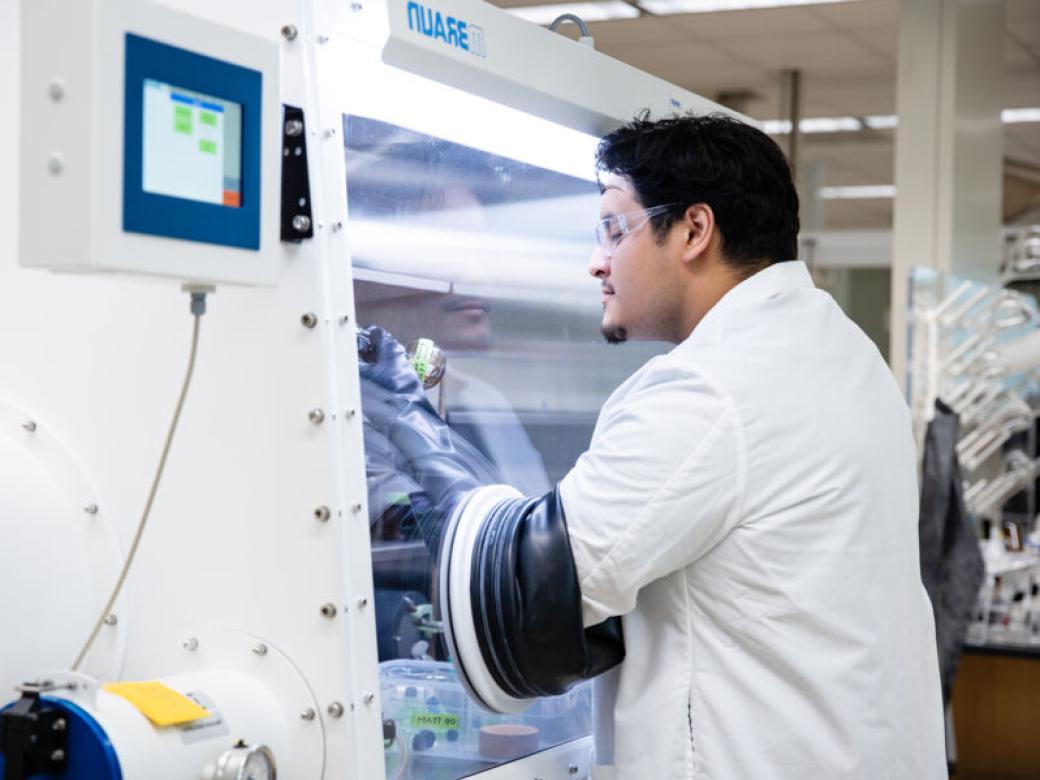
<point x="486" y="257"/>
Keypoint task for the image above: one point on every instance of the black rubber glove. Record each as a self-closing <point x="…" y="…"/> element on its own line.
<point x="406" y="434"/>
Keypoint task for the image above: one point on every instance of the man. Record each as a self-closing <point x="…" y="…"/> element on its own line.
<point x="747" y="507"/>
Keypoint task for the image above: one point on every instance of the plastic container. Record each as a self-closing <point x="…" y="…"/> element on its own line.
<point x="438" y="726"/>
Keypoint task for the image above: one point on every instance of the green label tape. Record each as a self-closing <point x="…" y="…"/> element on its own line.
<point x="435" y="720"/>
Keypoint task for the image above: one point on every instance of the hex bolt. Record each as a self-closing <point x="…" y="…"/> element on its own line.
<point x="294" y="127"/>
<point x="308" y="714"/>
<point x="111" y="619"/>
<point x="58" y="725"/>
<point x="322" y="514"/>
<point x="260" y="649"/>
<point x="191" y="644"/>
<point x="309" y="320"/>
<point x="91" y="509"/>
<point x="572" y="769"/>
<point x="30" y="426"/>
<point x="335" y="710"/>
<point x="350" y="412"/>
<point x="57" y="755"/>
<point x="362" y="602"/>
<point x="289" y="32"/>
<point x="368" y="698"/>
<point x="316" y="416"/>
<point x="328" y="610"/>
<point x="337" y="226"/>
<point x="56" y="90"/>
<point x="301" y="223"/>
<point x="355" y="507"/>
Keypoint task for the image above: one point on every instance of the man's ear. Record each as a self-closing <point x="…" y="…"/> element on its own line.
<point x="699" y="231"/>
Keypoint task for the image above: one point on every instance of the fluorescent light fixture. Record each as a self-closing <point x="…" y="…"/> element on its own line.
<point x="830" y="124"/>
<point x="824" y="124"/>
<point x="881" y="122"/>
<point x="601" y="11"/>
<point x="1011" y="116"/>
<point x="858" y="192"/>
<point x="710" y="6"/>
<point x="816" y="124"/>
<point x="777" y="126"/>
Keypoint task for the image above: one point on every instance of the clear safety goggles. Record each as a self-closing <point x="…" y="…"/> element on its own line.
<point x="610" y="231"/>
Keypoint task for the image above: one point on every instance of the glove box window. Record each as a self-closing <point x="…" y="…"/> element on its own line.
<point x="473" y="265"/>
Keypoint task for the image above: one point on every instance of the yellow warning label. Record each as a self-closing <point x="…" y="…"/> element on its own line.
<point x="162" y="705"/>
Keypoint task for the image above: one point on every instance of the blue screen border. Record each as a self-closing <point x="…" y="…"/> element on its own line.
<point x="163" y="215"/>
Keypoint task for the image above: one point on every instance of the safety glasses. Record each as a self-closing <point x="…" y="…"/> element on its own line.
<point x="610" y="231"/>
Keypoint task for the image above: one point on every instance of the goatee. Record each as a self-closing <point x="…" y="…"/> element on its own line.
<point x="616" y="335"/>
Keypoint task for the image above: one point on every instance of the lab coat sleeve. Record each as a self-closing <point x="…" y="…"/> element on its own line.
<point x="661" y="485"/>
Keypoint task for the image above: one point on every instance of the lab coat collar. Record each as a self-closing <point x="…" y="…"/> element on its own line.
<point x="768" y="283"/>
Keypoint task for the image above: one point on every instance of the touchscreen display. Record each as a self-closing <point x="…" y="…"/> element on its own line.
<point x="192" y="145"/>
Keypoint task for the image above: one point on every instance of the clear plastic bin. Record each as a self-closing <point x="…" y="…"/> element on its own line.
<point x="441" y="733"/>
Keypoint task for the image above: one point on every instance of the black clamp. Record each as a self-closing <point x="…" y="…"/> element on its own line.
<point x="297" y="220"/>
<point x="33" y="738"/>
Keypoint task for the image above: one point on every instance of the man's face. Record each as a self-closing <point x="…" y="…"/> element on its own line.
<point x="638" y="280"/>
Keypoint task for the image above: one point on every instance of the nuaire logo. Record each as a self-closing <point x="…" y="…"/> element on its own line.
<point x="452" y="31"/>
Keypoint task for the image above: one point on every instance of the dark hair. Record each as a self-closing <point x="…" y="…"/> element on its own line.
<point x="734" y="168"/>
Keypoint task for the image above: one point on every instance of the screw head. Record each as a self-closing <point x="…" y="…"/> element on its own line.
<point x="322" y="514"/>
<point x="91" y="509"/>
<point x="309" y="320"/>
<point x="191" y="644"/>
<point x="328" y="610"/>
<point x="308" y="714"/>
<point x="355" y="7"/>
<point x="368" y="698"/>
<point x="316" y="416"/>
<point x="56" y="163"/>
<point x="260" y="649"/>
<point x="362" y="602"/>
<point x="294" y="127"/>
<point x="56" y="90"/>
<point x="58" y="755"/>
<point x="323" y="39"/>
<point x="58" y="725"/>
<point x="30" y="426"/>
<point x="335" y="709"/>
<point x="355" y="507"/>
<point x="289" y="32"/>
<point x="301" y="223"/>
<point x="337" y="226"/>
<point x="572" y="769"/>
<point x="111" y="619"/>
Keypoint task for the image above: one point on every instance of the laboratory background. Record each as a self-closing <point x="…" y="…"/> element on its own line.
<point x="204" y="205"/>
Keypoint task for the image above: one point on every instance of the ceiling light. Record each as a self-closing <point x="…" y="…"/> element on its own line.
<point x="881" y="122"/>
<point x="588" y="11"/>
<point x="1012" y="116"/>
<point x="710" y="6"/>
<point x="860" y="191"/>
<point x="816" y="124"/>
<point x="830" y="124"/>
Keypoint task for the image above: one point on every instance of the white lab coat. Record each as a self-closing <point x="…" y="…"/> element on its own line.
<point x="749" y="506"/>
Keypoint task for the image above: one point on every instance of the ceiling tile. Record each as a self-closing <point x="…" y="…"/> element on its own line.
<point x="793" y="20"/>
<point x="635" y="32"/>
<point x="861" y="15"/>
<point x="882" y="41"/>
<point x="823" y="52"/>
